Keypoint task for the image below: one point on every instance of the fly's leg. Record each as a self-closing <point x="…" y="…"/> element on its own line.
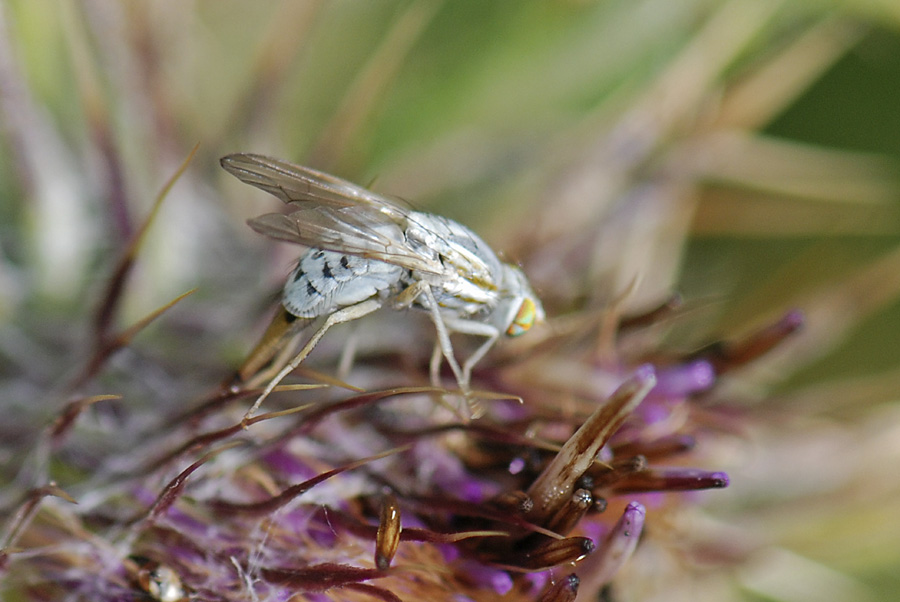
<point x="444" y="348"/>
<point x="405" y="299"/>
<point x="443" y="339"/>
<point x="346" y="314"/>
<point x="348" y="355"/>
<point x="434" y="366"/>
<point x="478" y="329"/>
<point x="475" y="410"/>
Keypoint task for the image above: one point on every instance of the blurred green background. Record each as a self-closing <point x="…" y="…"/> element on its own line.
<point x="769" y="129"/>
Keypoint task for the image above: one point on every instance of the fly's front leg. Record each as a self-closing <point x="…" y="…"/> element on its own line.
<point x="346" y="314"/>
<point x="478" y="329"/>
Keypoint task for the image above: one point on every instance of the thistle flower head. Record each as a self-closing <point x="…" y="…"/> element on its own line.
<point x="129" y="474"/>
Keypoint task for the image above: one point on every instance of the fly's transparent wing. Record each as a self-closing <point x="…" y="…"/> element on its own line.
<point x="331" y="213"/>
<point x="297" y="184"/>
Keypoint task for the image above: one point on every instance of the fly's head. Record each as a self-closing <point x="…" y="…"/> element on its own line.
<point x="519" y="308"/>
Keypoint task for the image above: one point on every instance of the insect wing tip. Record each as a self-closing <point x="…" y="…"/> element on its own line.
<point x="236" y="165"/>
<point x="231" y="162"/>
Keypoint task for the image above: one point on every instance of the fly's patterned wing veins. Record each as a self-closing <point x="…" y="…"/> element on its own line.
<point x="297" y="184"/>
<point x="331" y="214"/>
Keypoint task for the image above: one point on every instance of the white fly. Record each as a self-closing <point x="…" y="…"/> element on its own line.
<point x="366" y="251"/>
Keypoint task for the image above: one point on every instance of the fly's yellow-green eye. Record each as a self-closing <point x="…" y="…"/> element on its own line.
<point x="524" y="319"/>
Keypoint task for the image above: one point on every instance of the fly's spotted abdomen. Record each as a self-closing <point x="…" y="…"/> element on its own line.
<point x="325" y="281"/>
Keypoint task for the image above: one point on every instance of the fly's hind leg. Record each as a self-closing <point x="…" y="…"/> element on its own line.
<point x="348" y="355"/>
<point x="345" y="314"/>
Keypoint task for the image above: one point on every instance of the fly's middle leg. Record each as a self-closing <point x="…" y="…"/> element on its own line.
<point x="434" y="366"/>
<point x="423" y="289"/>
<point x="442" y="347"/>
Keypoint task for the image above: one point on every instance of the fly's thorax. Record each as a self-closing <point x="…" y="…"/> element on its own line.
<point x="469" y="282"/>
<point x="458" y="248"/>
<point x="518" y="308"/>
<point x="325" y="281"/>
<point x="449" y="295"/>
